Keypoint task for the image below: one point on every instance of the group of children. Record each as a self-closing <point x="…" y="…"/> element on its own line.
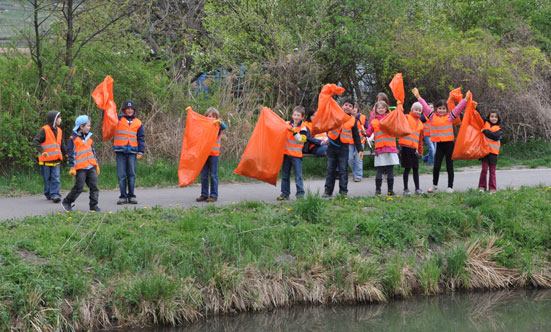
<point x="342" y="147"/>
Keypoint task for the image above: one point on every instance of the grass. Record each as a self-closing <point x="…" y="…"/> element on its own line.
<point x="173" y="266"/>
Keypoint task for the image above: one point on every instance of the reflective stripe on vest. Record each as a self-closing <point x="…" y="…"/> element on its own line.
<point x="382" y="139"/>
<point x="345" y="132"/>
<point x="494" y="145"/>
<point x="412" y="140"/>
<point x="51" y="145"/>
<point x="292" y="148"/>
<point x="84" y="155"/>
<point x="127" y="134"/>
<point x="426" y="128"/>
<point x="441" y="129"/>
<point x="216" y="148"/>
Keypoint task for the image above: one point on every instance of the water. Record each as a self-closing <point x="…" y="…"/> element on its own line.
<point x="519" y="310"/>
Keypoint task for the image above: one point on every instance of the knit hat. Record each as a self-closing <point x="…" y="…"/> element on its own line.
<point x="417" y="105"/>
<point x="82" y="119"/>
<point x="128" y="103"/>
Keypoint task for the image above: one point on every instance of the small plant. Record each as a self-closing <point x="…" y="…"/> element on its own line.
<point x="312" y="209"/>
<point x="429" y="274"/>
<point x="456" y="259"/>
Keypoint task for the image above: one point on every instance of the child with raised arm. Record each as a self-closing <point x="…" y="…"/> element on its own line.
<point x="83" y="164"/>
<point x="441" y="132"/>
<point x="493" y="132"/>
<point x="211" y="165"/>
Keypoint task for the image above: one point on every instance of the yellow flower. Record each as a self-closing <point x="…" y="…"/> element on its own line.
<point x="389" y="199"/>
<point x="91" y="211"/>
<point x="108" y="212"/>
<point x="59" y="213"/>
<point x="177" y="204"/>
<point x="547" y="188"/>
<point x="461" y="199"/>
<point x="346" y="198"/>
<point x="70" y="217"/>
<point x="145" y="207"/>
<point x="359" y="202"/>
<point x="78" y="212"/>
<point x="397" y="195"/>
<point x="169" y="205"/>
<point x="289" y="209"/>
<point x="233" y="203"/>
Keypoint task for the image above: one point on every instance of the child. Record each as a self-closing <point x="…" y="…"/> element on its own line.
<point x="83" y="163"/>
<point x="51" y="148"/>
<point x="381" y="96"/>
<point x="338" y="149"/>
<point x="386" y="153"/>
<point x="316" y="144"/>
<point x="211" y="165"/>
<point x="296" y="138"/>
<point x="354" y="160"/>
<point x="441" y="132"/>
<point x="493" y="132"/>
<point x="429" y="157"/>
<point x="410" y="147"/>
<point x="129" y="145"/>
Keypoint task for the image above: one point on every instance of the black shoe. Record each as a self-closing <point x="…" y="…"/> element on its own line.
<point x="122" y="201"/>
<point x="132" y="200"/>
<point x="326" y="195"/>
<point x="95" y="209"/>
<point x="282" y="198"/>
<point x="56" y="199"/>
<point x="67" y="207"/>
<point x="201" y="198"/>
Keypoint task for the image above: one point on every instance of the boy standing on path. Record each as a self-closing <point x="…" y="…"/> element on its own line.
<point x="51" y="148"/>
<point x="129" y="145"/>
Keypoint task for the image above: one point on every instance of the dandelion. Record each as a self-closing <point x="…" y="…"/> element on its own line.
<point x="276" y="210"/>
<point x="389" y="199"/>
<point x="177" y="204"/>
<point x="91" y="211"/>
<point x="547" y="188"/>
<point x="70" y="217"/>
<point x="346" y="198"/>
<point x="59" y="213"/>
<point x="145" y="207"/>
<point x="462" y="199"/>
<point x="539" y="189"/>
<point x="169" y="205"/>
<point x="359" y="202"/>
<point x="231" y="212"/>
<point x="108" y="212"/>
<point x="78" y="212"/>
<point x="289" y="209"/>
<point x="233" y="203"/>
<point x="397" y="195"/>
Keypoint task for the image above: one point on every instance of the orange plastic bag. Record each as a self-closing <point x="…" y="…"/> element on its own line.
<point x="329" y="115"/>
<point x="471" y="143"/>
<point x="103" y="96"/>
<point x="396" y="123"/>
<point x="263" y="155"/>
<point x="397" y="87"/>
<point x="454" y="97"/>
<point x="199" y="139"/>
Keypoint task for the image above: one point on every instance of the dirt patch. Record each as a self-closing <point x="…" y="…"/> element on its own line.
<point x="30" y="257"/>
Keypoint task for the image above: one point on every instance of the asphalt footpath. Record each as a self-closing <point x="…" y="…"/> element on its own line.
<point x="465" y="179"/>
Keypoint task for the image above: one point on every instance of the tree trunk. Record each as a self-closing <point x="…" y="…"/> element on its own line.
<point x="69" y="37"/>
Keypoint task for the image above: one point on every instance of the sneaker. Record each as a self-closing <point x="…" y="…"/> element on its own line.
<point x="492" y="192"/>
<point x="282" y="198"/>
<point x="132" y="200"/>
<point x="326" y="195"/>
<point x="95" y="209"/>
<point x="391" y="193"/>
<point x="377" y="193"/>
<point x="406" y="192"/>
<point x="419" y="192"/>
<point x="122" y="201"/>
<point x="214" y="199"/>
<point x="481" y="190"/>
<point x="357" y="180"/>
<point x="201" y="198"/>
<point x="432" y="189"/>
<point x="56" y="199"/>
<point x="449" y="190"/>
<point x="67" y="207"/>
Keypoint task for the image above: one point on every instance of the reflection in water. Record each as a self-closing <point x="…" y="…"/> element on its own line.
<point x="518" y="310"/>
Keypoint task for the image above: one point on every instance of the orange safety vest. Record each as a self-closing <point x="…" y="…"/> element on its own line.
<point x="412" y="140"/>
<point x="345" y="132"/>
<point x="381" y="139"/>
<point x="216" y="148"/>
<point x="51" y="145"/>
<point x="426" y="128"/>
<point x="441" y="129"/>
<point x="292" y="147"/>
<point x="127" y="134"/>
<point x="84" y="156"/>
<point x="494" y="145"/>
<point x="361" y="128"/>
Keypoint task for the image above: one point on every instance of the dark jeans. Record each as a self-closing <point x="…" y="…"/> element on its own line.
<point x="320" y="150"/>
<point x="210" y="168"/>
<point x="90" y="177"/>
<point x="126" y="171"/>
<point x="52" y="184"/>
<point x="443" y="149"/>
<point x="288" y="163"/>
<point x="337" y="156"/>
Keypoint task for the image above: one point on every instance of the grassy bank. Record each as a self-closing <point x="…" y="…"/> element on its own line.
<point x="164" y="173"/>
<point x="172" y="266"/>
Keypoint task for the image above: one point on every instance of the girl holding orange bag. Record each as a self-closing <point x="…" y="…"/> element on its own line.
<point x="386" y="153"/>
<point x="493" y="133"/>
<point x="441" y="132"/>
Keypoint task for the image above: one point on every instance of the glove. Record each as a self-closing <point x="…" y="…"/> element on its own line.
<point x="44" y="154"/>
<point x="73" y="172"/>
<point x="416" y="93"/>
<point x="468" y="95"/>
<point x="217" y="122"/>
<point x="139" y="156"/>
<point x="188" y="109"/>
<point x="97" y="169"/>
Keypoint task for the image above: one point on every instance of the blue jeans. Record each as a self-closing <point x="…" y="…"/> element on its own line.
<point x="429" y="157"/>
<point x="337" y="156"/>
<point x="210" y="168"/>
<point x="356" y="164"/>
<point x="52" y="184"/>
<point x="296" y="164"/>
<point x="320" y="150"/>
<point x="126" y="171"/>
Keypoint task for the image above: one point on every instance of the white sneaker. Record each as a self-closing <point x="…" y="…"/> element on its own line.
<point x="432" y="189"/>
<point x="449" y="190"/>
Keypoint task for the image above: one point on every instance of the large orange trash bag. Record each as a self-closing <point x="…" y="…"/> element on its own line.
<point x="263" y="155"/>
<point x="471" y="143"/>
<point x="329" y="115"/>
<point x="103" y="96"/>
<point x="199" y="139"/>
<point x="396" y="123"/>
<point x="397" y="87"/>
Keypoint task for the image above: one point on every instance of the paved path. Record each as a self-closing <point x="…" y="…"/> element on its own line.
<point x="19" y="207"/>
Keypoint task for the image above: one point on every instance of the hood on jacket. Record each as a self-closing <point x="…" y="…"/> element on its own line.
<point x="51" y="117"/>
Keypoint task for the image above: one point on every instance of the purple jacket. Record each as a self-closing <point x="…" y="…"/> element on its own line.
<point x="370" y="130"/>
